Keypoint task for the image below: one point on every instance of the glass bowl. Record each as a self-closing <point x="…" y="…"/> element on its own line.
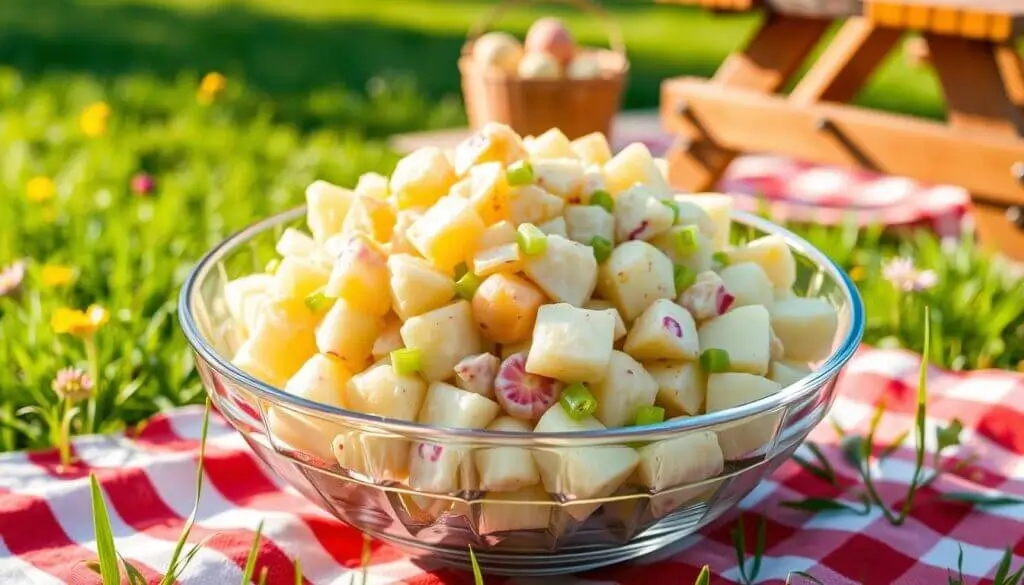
<point x="586" y="513"/>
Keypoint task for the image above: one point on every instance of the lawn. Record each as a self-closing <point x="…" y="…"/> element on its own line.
<point x="313" y="88"/>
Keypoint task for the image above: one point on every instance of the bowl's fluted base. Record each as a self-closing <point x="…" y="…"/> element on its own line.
<point x="562" y="562"/>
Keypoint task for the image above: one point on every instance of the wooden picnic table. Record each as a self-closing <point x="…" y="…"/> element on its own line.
<point x="971" y="46"/>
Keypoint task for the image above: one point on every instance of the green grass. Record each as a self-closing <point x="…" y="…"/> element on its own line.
<point x="300" y="53"/>
<point x="309" y="96"/>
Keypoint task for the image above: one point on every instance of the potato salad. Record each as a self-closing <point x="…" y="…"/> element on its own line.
<point x="526" y="285"/>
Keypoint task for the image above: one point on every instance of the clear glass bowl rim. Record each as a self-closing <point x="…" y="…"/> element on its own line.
<point x="789" y="395"/>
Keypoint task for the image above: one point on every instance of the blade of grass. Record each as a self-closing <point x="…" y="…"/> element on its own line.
<point x="250" y="561"/>
<point x="739" y="543"/>
<point x="172" y="567"/>
<point x="110" y="571"/>
<point x="977" y="499"/>
<point x="478" y="576"/>
<point x="298" y="573"/>
<point x="263" y="576"/>
<point x="704" y="577"/>
<point x="134" y="576"/>
<point x="919" y="421"/>
<point x="762" y="534"/>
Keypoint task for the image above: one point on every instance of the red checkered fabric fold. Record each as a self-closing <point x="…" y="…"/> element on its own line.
<point x="46" y="532"/>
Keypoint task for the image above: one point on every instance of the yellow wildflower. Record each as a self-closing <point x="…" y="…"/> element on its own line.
<point x="94" y="118"/>
<point x="857" y="273"/>
<point x="79" y="323"/>
<point x="54" y="275"/>
<point x="212" y="85"/>
<point x="39" y="189"/>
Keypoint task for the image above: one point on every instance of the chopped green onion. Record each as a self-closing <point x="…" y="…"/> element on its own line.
<point x="466" y="286"/>
<point x="674" y="207"/>
<point x="460" y="270"/>
<point x="721" y="258"/>
<point x="272" y="266"/>
<point x="577" y="401"/>
<point x="406" y="361"/>
<point x="649" y="415"/>
<point x="684" y="277"/>
<point x="318" y="301"/>
<point x="531" y="240"/>
<point x="602" y="198"/>
<point x="686" y="239"/>
<point x="714" y="360"/>
<point x="602" y="248"/>
<point x="519" y="173"/>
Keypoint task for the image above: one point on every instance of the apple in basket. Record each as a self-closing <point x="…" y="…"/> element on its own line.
<point x="549" y="52"/>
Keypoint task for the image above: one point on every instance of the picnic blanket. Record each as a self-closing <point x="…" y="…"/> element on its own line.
<point x="46" y="529"/>
<point x="810" y="193"/>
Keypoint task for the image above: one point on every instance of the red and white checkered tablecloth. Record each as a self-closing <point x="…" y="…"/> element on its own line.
<point x="810" y="193"/>
<point x="46" y="529"/>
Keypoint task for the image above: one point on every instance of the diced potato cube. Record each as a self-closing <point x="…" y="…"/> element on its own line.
<point x="634" y="164"/>
<point x="571" y="344"/>
<point x="389" y="339"/>
<point x="731" y="389"/>
<point x="422" y="177"/>
<point x="404" y="219"/>
<point x="585" y="222"/>
<point x="444" y="336"/>
<point x="447" y="233"/>
<point x="662" y="465"/>
<point x="326" y="208"/>
<point x="297" y="277"/>
<point x="497" y="234"/>
<point x="488" y="192"/>
<point x="283" y="338"/>
<point x="360" y="275"/>
<point x="634" y="276"/>
<point x="348" y="334"/>
<point x="506" y="469"/>
<point x="592" y="149"/>
<point x="748" y="284"/>
<point x="321" y="379"/>
<point x="554" y="227"/>
<point x="505" y="307"/>
<point x="773" y="255"/>
<point x="640" y="215"/>
<point x="622" y="390"/>
<point x="381" y="391"/>
<point x="697" y="259"/>
<point x="719" y="208"/>
<point x="787" y="373"/>
<point x="566" y="271"/>
<point x="558" y="176"/>
<point x="295" y="243"/>
<point x="603" y="305"/>
<point x="745" y="333"/>
<point x="370" y="216"/>
<point x="493" y="143"/>
<point x="505" y="258"/>
<point x="417" y="286"/>
<point x="581" y="472"/>
<point x="373" y="185"/>
<point x="806" y="327"/>
<point x="531" y="204"/>
<point x="664" y="331"/>
<point x="681" y="387"/>
<point x="551" y="144"/>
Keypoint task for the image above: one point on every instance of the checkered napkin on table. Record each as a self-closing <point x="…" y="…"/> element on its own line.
<point x="46" y="527"/>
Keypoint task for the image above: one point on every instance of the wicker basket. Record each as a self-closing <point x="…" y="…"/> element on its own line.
<point x="532" y="106"/>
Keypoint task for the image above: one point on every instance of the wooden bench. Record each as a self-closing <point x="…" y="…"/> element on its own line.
<point x="970" y="42"/>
